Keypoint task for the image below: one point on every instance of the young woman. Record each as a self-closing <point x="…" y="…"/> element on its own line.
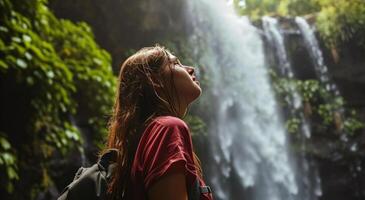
<point x="157" y="161"/>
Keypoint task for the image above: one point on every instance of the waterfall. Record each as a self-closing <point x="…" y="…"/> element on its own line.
<point x="320" y="67"/>
<point x="276" y="40"/>
<point x="315" y="53"/>
<point x="248" y="137"/>
<point x="310" y="184"/>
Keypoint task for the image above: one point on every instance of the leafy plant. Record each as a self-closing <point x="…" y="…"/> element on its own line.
<point x="341" y="20"/>
<point x="337" y="21"/>
<point x="329" y="108"/>
<point x="292" y="125"/>
<point x="54" y="79"/>
<point x="8" y="163"/>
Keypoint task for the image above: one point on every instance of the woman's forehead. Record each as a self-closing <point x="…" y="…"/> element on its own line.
<point x="171" y="56"/>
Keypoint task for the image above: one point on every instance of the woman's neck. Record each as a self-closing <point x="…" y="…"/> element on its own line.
<point x="181" y="108"/>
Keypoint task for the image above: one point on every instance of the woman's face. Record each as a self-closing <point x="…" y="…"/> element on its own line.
<point x="186" y="84"/>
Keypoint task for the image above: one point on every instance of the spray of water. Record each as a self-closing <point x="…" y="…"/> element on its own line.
<point x="248" y="135"/>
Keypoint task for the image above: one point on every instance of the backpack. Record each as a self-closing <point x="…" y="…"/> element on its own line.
<point x="91" y="183"/>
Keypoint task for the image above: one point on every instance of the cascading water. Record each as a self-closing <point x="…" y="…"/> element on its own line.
<point x="248" y="138"/>
<point x="310" y="186"/>
<point x="316" y="56"/>
<point x="321" y="70"/>
<point x="276" y="40"/>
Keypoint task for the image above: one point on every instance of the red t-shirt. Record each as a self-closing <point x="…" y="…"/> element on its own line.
<point x="165" y="141"/>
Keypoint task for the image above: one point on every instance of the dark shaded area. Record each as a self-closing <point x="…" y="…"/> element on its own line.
<point x="123" y="26"/>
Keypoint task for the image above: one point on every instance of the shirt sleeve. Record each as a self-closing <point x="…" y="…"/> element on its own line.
<point x="167" y="145"/>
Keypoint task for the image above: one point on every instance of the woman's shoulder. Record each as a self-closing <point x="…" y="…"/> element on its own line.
<point x="167" y="126"/>
<point x="171" y="121"/>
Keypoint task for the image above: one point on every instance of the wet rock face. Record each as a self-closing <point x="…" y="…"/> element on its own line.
<point x="340" y="165"/>
<point x="342" y="176"/>
<point x="349" y="73"/>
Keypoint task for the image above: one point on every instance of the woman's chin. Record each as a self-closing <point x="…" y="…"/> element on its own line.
<point x="199" y="92"/>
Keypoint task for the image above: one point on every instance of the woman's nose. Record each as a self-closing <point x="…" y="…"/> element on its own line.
<point x="190" y="70"/>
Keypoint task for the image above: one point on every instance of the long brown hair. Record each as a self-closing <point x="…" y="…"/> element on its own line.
<point x="137" y="102"/>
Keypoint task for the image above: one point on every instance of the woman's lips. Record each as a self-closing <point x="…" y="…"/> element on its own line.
<point x="195" y="80"/>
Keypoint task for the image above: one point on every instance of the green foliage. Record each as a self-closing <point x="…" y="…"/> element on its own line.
<point x="258" y="8"/>
<point x="322" y="103"/>
<point x="309" y="88"/>
<point x="336" y="20"/>
<point x="352" y="124"/>
<point x="328" y="111"/>
<point x="91" y="69"/>
<point x="38" y="69"/>
<point x="297" y="7"/>
<point x="8" y="163"/>
<point x="292" y="125"/>
<point x="53" y="72"/>
<point x="341" y="20"/>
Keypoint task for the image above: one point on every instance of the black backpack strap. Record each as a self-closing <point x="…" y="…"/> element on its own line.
<point x="110" y="156"/>
<point x="107" y="162"/>
<point x="196" y="190"/>
<point x="205" y="189"/>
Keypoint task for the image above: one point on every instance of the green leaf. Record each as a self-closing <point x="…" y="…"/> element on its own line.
<point x="4" y="29"/>
<point x="12" y="174"/>
<point x="16" y="39"/>
<point x="30" y="80"/>
<point x="21" y="63"/>
<point x="8" y="158"/>
<point x="5" y="144"/>
<point x="28" y="55"/>
<point x="3" y="65"/>
<point x="9" y="187"/>
<point x="50" y="74"/>
<point x="27" y="38"/>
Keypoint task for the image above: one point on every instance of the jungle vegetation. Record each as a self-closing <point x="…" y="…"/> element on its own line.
<point x="51" y="71"/>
